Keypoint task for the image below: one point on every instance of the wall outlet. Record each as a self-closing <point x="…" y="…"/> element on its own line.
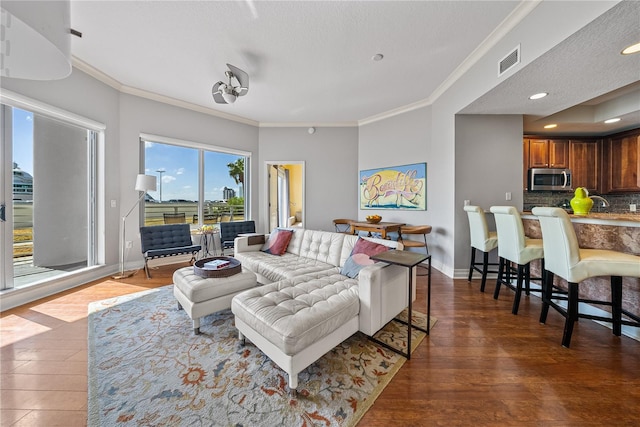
<point x="632" y="207"/>
<point x="467" y="202"/>
<point x="129" y="244"/>
<point x="113" y="204"/>
<point x="507" y="195"/>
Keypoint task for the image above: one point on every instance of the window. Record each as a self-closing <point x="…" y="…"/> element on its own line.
<point x="50" y="197"/>
<point x="197" y="184"/>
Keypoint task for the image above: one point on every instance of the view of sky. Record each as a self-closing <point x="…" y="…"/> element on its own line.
<point x="180" y="165"/>
<point x="180" y="176"/>
<point x="23" y="139"/>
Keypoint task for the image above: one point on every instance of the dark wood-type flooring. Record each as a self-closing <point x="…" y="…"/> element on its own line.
<point x="480" y="366"/>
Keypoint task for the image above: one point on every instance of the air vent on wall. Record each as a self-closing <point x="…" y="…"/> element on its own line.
<point x="509" y="61"/>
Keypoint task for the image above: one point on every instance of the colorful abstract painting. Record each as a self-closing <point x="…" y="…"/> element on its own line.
<point x="397" y="187"/>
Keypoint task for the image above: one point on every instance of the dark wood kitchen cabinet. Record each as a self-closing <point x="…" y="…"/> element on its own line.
<point x="548" y="153"/>
<point x="584" y="162"/>
<point x="621" y="162"/>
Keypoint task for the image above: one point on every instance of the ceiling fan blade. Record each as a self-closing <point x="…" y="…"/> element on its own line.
<point x="217" y="93"/>
<point x="243" y="79"/>
<point x="240" y="90"/>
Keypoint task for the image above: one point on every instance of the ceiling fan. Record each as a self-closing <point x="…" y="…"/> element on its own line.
<point x="226" y="93"/>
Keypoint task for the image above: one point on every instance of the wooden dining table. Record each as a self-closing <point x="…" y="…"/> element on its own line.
<point x="384" y="228"/>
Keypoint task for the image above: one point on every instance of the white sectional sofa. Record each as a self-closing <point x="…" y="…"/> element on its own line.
<point x="305" y="306"/>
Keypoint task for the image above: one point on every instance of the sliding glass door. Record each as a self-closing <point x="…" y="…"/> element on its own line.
<point x="48" y="226"/>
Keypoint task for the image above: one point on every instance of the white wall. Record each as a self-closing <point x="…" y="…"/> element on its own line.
<point x="484" y="179"/>
<point x="397" y="141"/>
<point x="331" y="171"/>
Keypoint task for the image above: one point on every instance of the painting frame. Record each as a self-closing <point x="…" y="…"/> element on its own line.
<point x="401" y="187"/>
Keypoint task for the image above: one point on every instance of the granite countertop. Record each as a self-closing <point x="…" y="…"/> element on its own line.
<point x="627" y="216"/>
<point x="630" y="219"/>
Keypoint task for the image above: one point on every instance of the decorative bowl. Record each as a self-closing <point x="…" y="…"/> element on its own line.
<point x="373" y="219"/>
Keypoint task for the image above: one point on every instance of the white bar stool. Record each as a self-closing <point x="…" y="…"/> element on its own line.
<point x="564" y="257"/>
<point x="514" y="246"/>
<point x="482" y="240"/>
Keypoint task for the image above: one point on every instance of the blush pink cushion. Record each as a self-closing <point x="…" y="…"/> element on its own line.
<point x="360" y="257"/>
<point x="278" y="241"/>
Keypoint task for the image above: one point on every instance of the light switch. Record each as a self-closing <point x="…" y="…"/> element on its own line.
<point x="507" y="195"/>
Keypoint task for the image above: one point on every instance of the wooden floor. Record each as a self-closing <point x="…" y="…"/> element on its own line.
<point x="480" y="366"/>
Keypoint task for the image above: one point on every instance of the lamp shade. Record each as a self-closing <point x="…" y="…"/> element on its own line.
<point x="36" y="39"/>
<point x="146" y="183"/>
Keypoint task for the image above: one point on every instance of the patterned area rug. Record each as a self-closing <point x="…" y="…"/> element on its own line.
<point x="146" y="367"/>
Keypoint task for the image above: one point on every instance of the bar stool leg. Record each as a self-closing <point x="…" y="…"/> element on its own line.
<point x="616" y="304"/>
<point x="527" y="278"/>
<point x="501" y="268"/>
<point x="571" y="315"/>
<point x="520" y="279"/>
<point x="485" y="267"/>
<point x="547" y="286"/>
<point x="473" y="261"/>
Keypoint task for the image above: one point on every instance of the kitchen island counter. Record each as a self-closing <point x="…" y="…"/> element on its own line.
<point x="629" y="219"/>
<point x="618" y="232"/>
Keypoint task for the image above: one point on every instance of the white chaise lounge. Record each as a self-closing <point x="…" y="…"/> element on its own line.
<point x="305" y="306"/>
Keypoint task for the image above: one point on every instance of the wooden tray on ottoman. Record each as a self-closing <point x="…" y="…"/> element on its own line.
<point x="234" y="267"/>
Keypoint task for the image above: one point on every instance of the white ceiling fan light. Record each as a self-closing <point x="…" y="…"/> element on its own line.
<point x="224" y="93"/>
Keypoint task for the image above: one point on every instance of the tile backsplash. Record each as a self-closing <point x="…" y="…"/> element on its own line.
<point x="619" y="203"/>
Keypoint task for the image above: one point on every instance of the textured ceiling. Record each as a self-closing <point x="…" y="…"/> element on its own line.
<point x="310" y="62"/>
<point x="576" y="74"/>
<point x="307" y="61"/>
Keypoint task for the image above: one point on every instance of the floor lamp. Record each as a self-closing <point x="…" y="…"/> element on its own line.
<point x="144" y="183"/>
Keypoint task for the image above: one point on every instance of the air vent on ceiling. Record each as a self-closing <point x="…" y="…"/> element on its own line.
<point x="509" y="61"/>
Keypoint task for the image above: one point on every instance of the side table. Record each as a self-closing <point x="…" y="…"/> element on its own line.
<point x="409" y="260"/>
<point x="208" y="243"/>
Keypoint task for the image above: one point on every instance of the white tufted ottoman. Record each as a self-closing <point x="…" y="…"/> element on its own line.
<point x="296" y="321"/>
<point x="200" y="296"/>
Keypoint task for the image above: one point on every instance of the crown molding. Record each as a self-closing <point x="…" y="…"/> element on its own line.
<point x="308" y="124"/>
<point x="186" y="105"/>
<point x="104" y="78"/>
<point x="95" y="73"/>
<point x="508" y="24"/>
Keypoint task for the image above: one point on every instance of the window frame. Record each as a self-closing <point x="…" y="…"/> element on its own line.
<point x="201" y="147"/>
<point x="95" y="199"/>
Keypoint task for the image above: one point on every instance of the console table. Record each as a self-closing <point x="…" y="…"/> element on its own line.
<point x="409" y="260"/>
<point x="382" y="227"/>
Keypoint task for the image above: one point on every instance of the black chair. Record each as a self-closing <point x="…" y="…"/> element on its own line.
<point x="230" y="230"/>
<point x="159" y="241"/>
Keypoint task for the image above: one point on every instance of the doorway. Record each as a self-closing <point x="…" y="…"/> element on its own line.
<point x="285" y="194"/>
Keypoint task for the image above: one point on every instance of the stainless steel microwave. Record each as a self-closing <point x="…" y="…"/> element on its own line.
<point x="541" y="179"/>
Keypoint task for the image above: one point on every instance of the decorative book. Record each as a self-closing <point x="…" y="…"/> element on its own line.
<point x="216" y="264"/>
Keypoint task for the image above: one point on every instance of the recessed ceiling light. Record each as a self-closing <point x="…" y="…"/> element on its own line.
<point x="377" y="57"/>
<point x="634" y="48"/>
<point x="538" y="95"/>
<point x="551" y="126"/>
<point x="617" y="119"/>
